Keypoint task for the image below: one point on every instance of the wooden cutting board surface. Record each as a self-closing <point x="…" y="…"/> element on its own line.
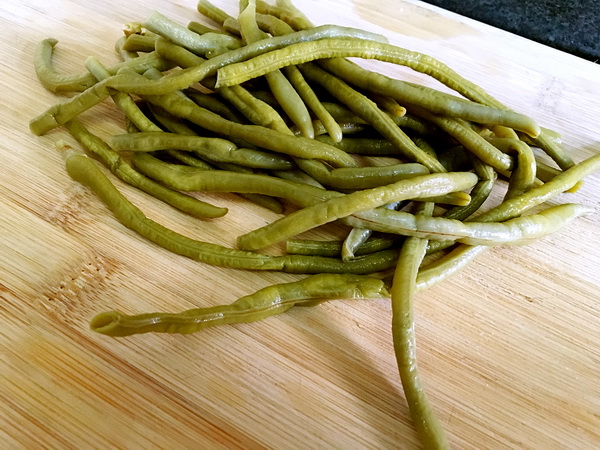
<point x="508" y="348"/>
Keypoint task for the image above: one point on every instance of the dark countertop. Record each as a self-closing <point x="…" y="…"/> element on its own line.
<point x="571" y="26"/>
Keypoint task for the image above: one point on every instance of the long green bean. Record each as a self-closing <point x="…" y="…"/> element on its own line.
<point x="187" y="77"/>
<point x="214" y="149"/>
<point x="435" y="101"/>
<point x="338" y="207"/>
<point x="403" y="332"/>
<point x="264" y="303"/>
<point x="308" y="51"/>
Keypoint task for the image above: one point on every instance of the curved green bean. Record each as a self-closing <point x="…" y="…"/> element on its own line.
<point x="125" y="172"/>
<point x="338" y="207"/>
<point x="124" y="54"/>
<point x="522" y="177"/>
<point x="52" y="80"/>
<point x="187" y="77"/>
<point x="403" y="332"/>
<point x="59" y="82"/>
<point x="308" y="51"/>
<point x="517" y="231"/>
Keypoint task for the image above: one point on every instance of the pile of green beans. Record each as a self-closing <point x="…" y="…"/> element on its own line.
<point x="266" y="106"/>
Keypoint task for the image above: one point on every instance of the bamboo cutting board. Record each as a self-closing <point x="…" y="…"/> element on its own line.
<point x="508" y="348"/>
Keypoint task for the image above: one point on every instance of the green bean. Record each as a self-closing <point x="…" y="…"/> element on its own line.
<point x="214" y="149"/>
<point x="388" y="104"/>
<point x="128" y="174"/>
<point x="264" y="303"/>
<point x="345" y="128"/>
<point x="294" y="14"/>
<point x="284" y="92"/>
<point x="298" y="21"/>
<point x="358" y="236"/>
<point x="361" y="177"/>
<point x="188" y="179"/>
<point x="538" y="195"/>
<point x="403" y="292"/>
<point x="513" y="207"/>
<point x="453" y="159"/>
<point x="176" y="53"/>
<point x="448" y="265"/>
<point x="522" y="177"/>
<point x="297" y="176"/>
<point x="552" y="149"/>
<point x="139" y="43"/>
<point x="83" y="170"/>
<point x="354" y="239"/>
<point x="61" y="113"/>
<point x="261" y="200"/>
<point x="362" y="146"/>
<point x="334" y="248"/>
<point x="369" y="112"/>
<point x="212" y="12"/>
<point x="338" y="207"/>
<point x="52" y="80"/>
<point x="58" y="82"/>
<point x="200" y="28"/>
<point x="277" y="27"/>
<point x="410" y="122"/>
<point x="517" y="231"/>
<point x="479" y="194"/>
<point x="547" y="173"/>
<point x="213" y="104"/>
<point x="187" y="77"/>
<point x="207" y="44"/>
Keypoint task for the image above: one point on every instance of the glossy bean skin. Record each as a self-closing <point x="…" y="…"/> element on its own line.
<point x="403" y="292"/>
<point x="264" y="303"/>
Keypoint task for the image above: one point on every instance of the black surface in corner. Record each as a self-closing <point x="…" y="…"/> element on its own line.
<point x="571" y="26"/>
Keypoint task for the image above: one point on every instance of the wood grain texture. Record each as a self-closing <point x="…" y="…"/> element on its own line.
<point x="509" y="348"/>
